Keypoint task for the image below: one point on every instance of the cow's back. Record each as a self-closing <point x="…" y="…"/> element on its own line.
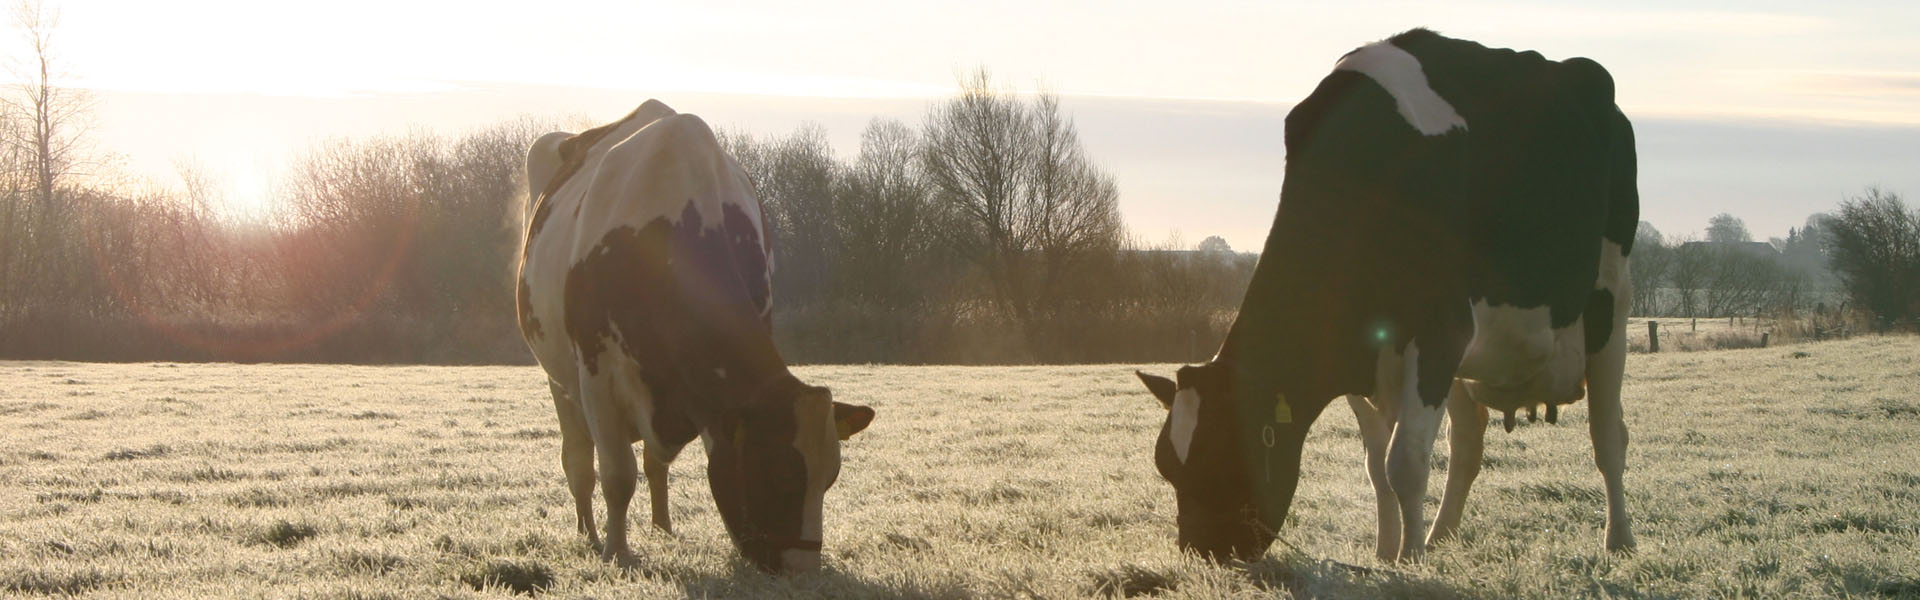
<point x="1541" y="161"/>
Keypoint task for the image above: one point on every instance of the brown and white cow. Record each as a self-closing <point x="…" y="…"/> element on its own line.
<point x="1453" y="232"/>
<point x="645" y="293"/>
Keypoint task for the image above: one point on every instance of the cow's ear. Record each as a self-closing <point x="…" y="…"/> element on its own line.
<point x="849" y="419"/>
<point x="1161" y="387"/>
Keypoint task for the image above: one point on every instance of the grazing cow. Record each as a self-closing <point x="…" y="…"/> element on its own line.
<point x="645" y="292"/>
<point x="1455" y="219"/>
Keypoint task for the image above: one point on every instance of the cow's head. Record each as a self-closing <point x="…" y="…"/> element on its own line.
<point x="1200" y="453"/>
<point x="770" y="472"/>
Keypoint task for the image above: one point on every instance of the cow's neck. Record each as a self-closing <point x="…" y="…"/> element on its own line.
<point x="734" y="369"/>
<point x="1303" y="326"/>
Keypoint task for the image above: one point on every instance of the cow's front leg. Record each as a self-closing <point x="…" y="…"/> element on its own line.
<point x="619" y="474"/>
<point x="1375" y="427"/>
<point x="1409" y="452"/>
<point x="1467" y="441"/>
<point x="656" y="467"/>
<point x="671" y="432"/>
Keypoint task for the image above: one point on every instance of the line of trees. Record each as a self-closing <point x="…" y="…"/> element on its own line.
<point x="1729" y="274"/>
<point x="1864" y="258"/>
<point x="986" y="235"/>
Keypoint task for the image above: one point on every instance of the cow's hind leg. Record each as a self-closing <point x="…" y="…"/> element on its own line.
<point x="576" y="458"/>
<point x="1467" y="442"/>
<point x="1608" y="427"/>
<point x="1375" y="426"/>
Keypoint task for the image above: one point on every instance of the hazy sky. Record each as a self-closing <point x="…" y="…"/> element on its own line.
<point x="1769" y="110"/>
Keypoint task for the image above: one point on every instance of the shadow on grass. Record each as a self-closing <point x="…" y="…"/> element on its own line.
<point x="1304" y="576"/>
<point x="743" y="580"/>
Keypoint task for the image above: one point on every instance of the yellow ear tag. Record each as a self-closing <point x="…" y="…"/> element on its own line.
<point x="1282" y="413"/>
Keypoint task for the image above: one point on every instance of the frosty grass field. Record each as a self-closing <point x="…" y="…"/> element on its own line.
<point x="1791" y="471"/>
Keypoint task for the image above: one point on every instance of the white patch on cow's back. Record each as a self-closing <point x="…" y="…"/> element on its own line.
<point x="1401" y="75"/>
<point x="1182" y="420"/>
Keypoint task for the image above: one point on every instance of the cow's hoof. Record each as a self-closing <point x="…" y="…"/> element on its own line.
<point x="626" y="561"/>
<point x="1621" y="546"/>
<point x="621" y="557"/>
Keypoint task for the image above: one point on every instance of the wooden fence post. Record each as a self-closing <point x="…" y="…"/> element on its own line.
<point x="1763" y="338"/>
<point x="1653" y="336"/>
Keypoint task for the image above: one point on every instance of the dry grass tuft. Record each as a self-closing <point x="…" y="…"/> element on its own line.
<point x="1132" y="581"/>
<point x="519" y="576"/>
<point x="283" y="534"/>
<point x="57" y="580"/>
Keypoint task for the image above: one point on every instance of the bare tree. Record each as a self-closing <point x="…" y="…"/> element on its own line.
<point x="44" y="136"/>
<point x="976" y="153"/>
<point x="1652" y="263"/>
<point x="794" y="178"/>
<point x="1738" y="282"/>
<point x="1038" y="208"/>
<point x="1692" y="264"/>
<point x="890" y="227"/>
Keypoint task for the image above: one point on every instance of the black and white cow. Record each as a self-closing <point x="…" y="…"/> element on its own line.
<point x="645" y="293"/>
<point x="1453" y="232"/>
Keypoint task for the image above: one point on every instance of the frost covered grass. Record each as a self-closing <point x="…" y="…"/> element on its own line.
<point x="1778" y="472"/>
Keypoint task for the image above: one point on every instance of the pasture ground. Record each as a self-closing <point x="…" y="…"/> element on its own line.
<point x="1776" y="473"/>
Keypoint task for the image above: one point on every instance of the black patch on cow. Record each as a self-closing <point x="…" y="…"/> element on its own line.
<point x="682" y="297"/>
<point x="1599" y="320"/>
<point x="744" y="242"/>
<point x="1623" y="213"/>
<point x="672" y="427"/>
